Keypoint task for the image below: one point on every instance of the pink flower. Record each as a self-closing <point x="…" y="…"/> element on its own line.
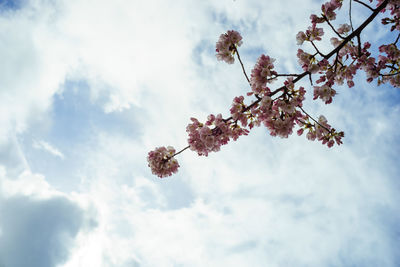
<point x="264" y="111"/>
<point x="344" y="28"/>
<point x="328" y="9"/>
<point x="307" y="61"/>
<point x="393" y="53"/>
<point x="288" y="106"/>
<point x="226" y="46"/>
<point x="335" y="42"/>
<point x="162" y="162"/>
<point x="300" y="131"/>
<point x="323" y="132"/>
<point x="311" y="135"/>
<point x="261" y="74"/>
<point x="314" y="33"/>
<point x="324" y="92"/>
<point x="350" y="84"/>
<point x="368" y="65"/>
<point x="204" y="139"/>
<point x="301" y="37"/>
<point x="315" y="19"/>
<point x="330" y="143"/>
<point x="236" y="110"/>
<point x="280" y="126"/>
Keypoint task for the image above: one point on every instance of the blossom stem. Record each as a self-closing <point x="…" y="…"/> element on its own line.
<point x="180" y="151"/>
<point x="314" y="119"/>
<point x="333" y="28"/>
<point x="241" y="63"/>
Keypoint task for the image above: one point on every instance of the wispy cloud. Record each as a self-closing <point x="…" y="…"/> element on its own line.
<point x="42" y="145"/>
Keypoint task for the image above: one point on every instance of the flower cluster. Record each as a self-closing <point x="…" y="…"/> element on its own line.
<point x="349" y="56"/>
<point x="344" y="28"/>
<point x="324" y="92"/>
<point x="209" y="137"/>
<point x="237" y="110"/>
<point x="312" y="34"/>
<point x="162" y="162"/>
<point x="226" y="46"/>
<point x="328" y="9"/>
<point x="280" y="123"/>
<point x="261" y="74"/>
<point x="391" y="61"/>
<point x="393" y="6"/>
<point x="307" y="61"/>
<point x="281" y="116"/>
<point x="321" y="131"/>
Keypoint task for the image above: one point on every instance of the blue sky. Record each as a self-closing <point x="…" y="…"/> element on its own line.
<point x="87" y="88"/>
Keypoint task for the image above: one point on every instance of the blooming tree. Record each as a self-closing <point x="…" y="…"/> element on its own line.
<point x="281" y="110"/>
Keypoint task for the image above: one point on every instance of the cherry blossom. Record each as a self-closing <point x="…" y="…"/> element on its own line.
<point x="328" y="9"/>
<point x="301" y="37"/>
<point x="162" y="162"/>
<point x="261" y="74"/>
<point x="344" y="28"/>
<point x="313" y="33"/>
<point x="226" y="46"/>
<point x="324" y="92"/>
<point x="209" y="137"/>
<point x="307" y="61"/>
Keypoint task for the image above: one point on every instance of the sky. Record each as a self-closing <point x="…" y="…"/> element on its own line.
<point x="88" y="88"/>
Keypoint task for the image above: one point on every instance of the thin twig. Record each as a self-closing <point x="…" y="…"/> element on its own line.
<point x="333" y="28"/>
<point x="314" y="119"/>
<point x="389" y="74"/>
<point x="322" y="55"/>
<point x="364" y="4"/>
<point x="309" y="76"/>
<point x="287" y="75"/>
<point x="351" y="22"/>
<point x="241" y="63"/>
<point x="336" y="61"/>
<point x="282" y="75"/>
<point x="397" y="39"/>
<point x="391" y="67"/>
<point x="177" y="153"/>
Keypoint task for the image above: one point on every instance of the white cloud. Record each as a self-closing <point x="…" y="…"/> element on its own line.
<point x="38" y="221"/>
